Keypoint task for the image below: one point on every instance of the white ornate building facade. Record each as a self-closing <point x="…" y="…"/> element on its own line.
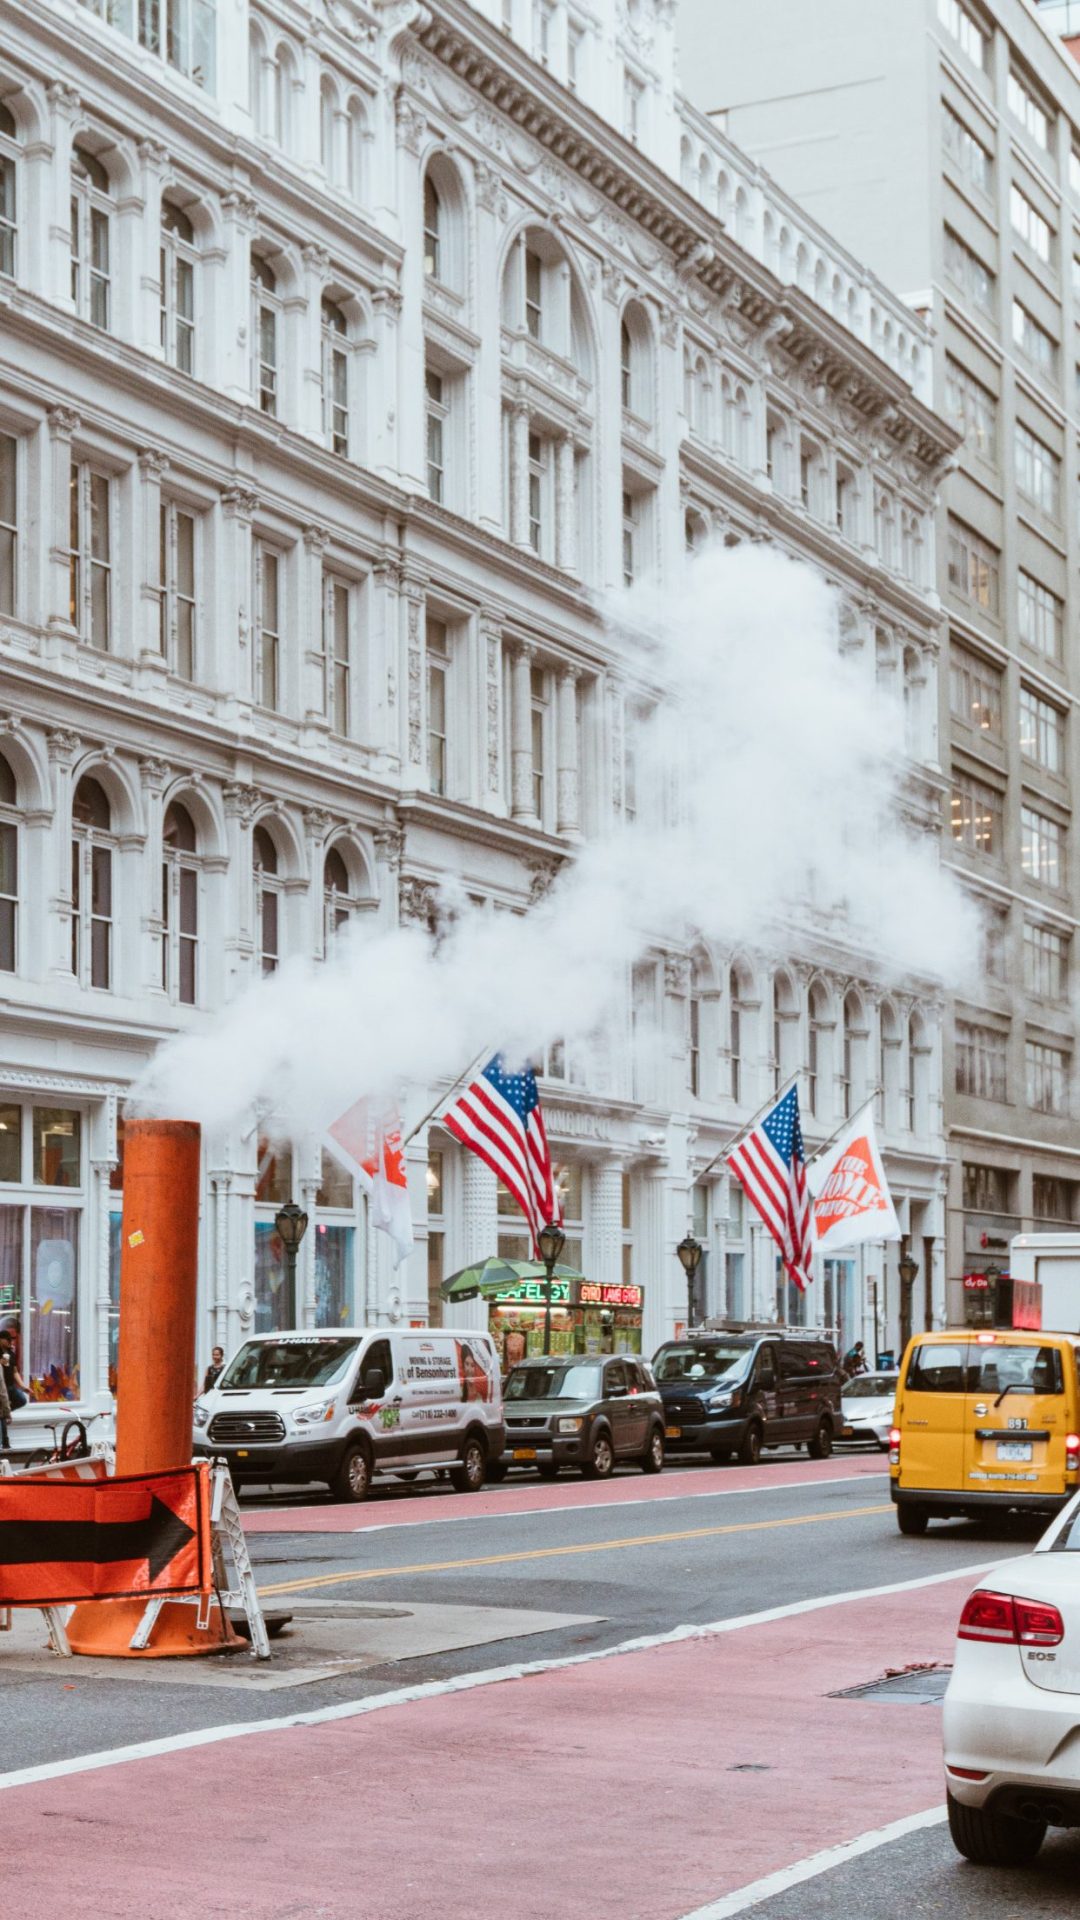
<point x="348" y="355"/>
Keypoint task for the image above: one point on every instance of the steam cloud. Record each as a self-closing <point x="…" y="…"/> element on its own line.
<point x="769" y="789"/>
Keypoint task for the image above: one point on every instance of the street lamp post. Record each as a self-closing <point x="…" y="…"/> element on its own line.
<point x="908" y="1269"/>
<point x="690" y="1251"/>
<point x="551" y="1240"/>
<point x="291" y="1223"/>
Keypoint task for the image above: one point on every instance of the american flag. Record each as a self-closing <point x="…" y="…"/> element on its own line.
<point x="771" y="1166"/>
<point x="499" y="1118"/>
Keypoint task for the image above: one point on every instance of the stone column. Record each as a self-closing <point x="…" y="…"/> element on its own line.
<point x="56" y="516"/>
<point x="241" y="218"/>
<point x="489" y="678"/>
<point x="479" y="1234"/>
<point x="96" y="1390"/>
<point x="385" y="433"/>
<point x="65" y="108"/>
<point x="232" y="666"/>
<point x="241" y="805"/>
<point x="220" y="1183"/>
<point x="317" y="824"/>
<point x="150" y="641"/>
<point x="305" y="1264"/>
<point x="519" y="474"/>
<point x="63" y="747"/>
<point x="605" y="1223"/>
<point x="310" y="398"/>
<point x="523" y="800"/>
<point x="314" y="667"/>
<point x="153" y="161"/>
<point x="414" y="717"/>
<point x="566" y="542"/>
<point x="153" y="774"/>
<point x="569" y="810"/>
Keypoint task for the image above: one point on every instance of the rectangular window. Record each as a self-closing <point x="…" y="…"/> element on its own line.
<point x="90" y="556"/>
<point x="534" y="284"/>
<point x="336" y="648"/>
<point x="543" y="30"/>
<point x="975" y="692"/>
<point x="1038" y="470"/>
<point x="969" y="154"/>
<point x="540" y="514"/>
<point x="1042" y="731"/>
<point x="1026" y="110"/>
<point x="1046" y="961"/>
<point x="980" y="1061"/>
<point x="1053" y="1199"/>
<point x="633" y="102"/>
<point x="8" y="213"/>
<point x="436" y="419"/>
<point x="438" y="669"/>
<point x="986" y="1189"/>
<point x="959" y="23"/>
<point x="1040" y="847"/>
<point x="1074" y="171"/>
<point x="976" y="816"/>
<point x="539" y="695"/>
<point x="973" y="567"/>
<point x="969" y="273"/>
<point x="335" y="381"/>
<point x="176" y="590"/>
<point x="9" y="520"/>
<point x="1029" y="225"/>
<point x="183" y="32"/>
<point x="1040" y="620"/>
<point x="1033" y="341"/>
<point x="268" y="647"/>
<point x="631" y="516"/>
<point x="575" y="39"/>
<point x="1047" y="1073"/>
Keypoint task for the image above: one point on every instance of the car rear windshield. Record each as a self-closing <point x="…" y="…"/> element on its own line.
<point x="698" y="1360"/>
<point x="963" y="1366"/>
<point x="554" y="1383"/>
<point x="318" y="1362"/>
<point x="882" y="1387"/>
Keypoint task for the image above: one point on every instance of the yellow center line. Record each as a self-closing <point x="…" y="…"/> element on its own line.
<point x="553" y="1553"/>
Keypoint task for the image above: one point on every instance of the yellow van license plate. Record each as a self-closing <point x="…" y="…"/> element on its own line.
<point x="1014" y="1450"/>
<point x="524" y="1453"/>
<point x="673" y="1433"/>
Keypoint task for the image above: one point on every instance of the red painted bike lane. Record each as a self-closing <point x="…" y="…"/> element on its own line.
<point x="533" y="1496"/>
<point x="637" y="1787"/>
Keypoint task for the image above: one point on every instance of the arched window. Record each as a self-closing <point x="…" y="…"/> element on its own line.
<point x="337" y="896"/>
<point x="9" y="868"/>
<point x="626" y="366"/>
<point x="91" y="885"/>
<point x="636" y="362"/>
<point x="177" y="280"/>
<point x="91" y="237"/>
<point x="853" y="1074"/>
<point x="432" y="229"/>
<point x="265" y="319"/>
<point x="9" y="187"/>
<point x="267" y="900"/>
<point x="258" y="98"/>
<point x="737" y="1035"/>
<point x="693" y="1034"/>
<point x="284" y="72"/>
<point x="915" y="1104"/>
<point x="785" y="1031"/>
<point x="335" y="376"/>
<point x="817" y="1052"/>
<point x="180" y="907"/>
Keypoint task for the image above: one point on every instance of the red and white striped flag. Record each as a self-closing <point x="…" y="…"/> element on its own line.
<point x="771" y="1167"/>
<point x="500" y="1119"/>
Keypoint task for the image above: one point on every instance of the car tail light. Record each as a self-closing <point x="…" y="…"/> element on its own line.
<point x="894" y="1446"/>
<point x="1018" y="1623"/>
<point x="966" y="1773"/>
<point x="1072" y="1452"/>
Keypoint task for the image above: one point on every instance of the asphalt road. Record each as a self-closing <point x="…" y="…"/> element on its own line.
<point x="638" y="1558"/>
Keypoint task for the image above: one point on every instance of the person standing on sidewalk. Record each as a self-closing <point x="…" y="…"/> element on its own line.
<point x="17" y="1395"/>
<point x="5" y="1413"/>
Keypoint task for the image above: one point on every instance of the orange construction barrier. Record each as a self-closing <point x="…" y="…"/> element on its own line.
<point x="94" y="1538"/>
<point x="155" y="1366"/>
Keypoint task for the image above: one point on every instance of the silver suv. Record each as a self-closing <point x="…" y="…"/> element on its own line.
<point x="590" y="1413"/>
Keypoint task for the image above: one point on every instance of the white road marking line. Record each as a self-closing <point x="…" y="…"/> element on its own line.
<point x="773" y="1883"/>
<point x="465" y="1682"/>
<point x="583" y="1506"/>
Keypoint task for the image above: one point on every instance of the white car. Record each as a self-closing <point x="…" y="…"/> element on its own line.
<point x="866" y="1408"/>
<point x="1012" y="1708"/>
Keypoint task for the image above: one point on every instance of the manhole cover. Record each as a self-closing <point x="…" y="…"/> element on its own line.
<point x="915" y="1686"/>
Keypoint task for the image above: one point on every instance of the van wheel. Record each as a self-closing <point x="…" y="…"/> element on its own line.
<point x="469" y="1477"/>
<point x="912" y="1520"/>
<point x="994" y="1839"/>
<point x="600" y="1464"/>
<point x="353" y="1480"/>
<point x="750" y="1446"/>
<point x="652" y="1460"/>
<point x="820" y="1447"/>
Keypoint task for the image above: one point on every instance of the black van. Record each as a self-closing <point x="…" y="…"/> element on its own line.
<point x="726" y="1393"/>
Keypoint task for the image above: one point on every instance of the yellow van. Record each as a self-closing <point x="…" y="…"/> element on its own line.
<point x="985" y="1419"/>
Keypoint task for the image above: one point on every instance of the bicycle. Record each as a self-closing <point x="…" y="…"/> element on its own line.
<point x="73" y="1444"/>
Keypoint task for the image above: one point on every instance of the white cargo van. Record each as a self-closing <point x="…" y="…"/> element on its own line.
<point x="344" y="1405"/>
<point x="1052" y="1261"/>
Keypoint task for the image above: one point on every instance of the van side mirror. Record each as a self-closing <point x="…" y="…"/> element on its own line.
<point x="374" y="1383"/>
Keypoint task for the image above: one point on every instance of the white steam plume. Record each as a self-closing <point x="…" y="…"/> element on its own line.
<point x="770" y="773"/>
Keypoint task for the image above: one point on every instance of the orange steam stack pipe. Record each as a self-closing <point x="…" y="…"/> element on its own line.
<point x="159" y="1267"/>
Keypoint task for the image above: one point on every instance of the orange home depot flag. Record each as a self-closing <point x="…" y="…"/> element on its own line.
<point x="375" y="1153"/>
<point x="851" y="1198"/>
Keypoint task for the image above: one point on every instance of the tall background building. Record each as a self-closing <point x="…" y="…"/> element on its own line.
<point x="941" y="140"/>
<point x="349" y="354"/>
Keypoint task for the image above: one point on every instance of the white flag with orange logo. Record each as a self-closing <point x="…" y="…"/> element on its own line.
<point x="375" y="1153"/>
<point x="851" y="1199"/>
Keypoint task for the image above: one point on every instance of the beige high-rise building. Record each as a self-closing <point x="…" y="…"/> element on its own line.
<point x="940" y="139"/>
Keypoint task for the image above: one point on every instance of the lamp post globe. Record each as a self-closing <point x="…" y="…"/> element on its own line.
<point x="908" y="1270"/>
<point x="690" y="1252"/>
<point x="551" y="1240"/>
<point x="291" y="1222"/>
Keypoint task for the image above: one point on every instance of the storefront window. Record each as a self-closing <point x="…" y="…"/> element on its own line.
<point x="11" y="1262"/>
<point x="10" y="1143"/>
<point x="115" y="1221"/>
<point x="335" y="1186"/>
<point x="56" y="1147"/>
<point x="274" y="1311"/>
<point x="54" y="1266"/>
<point x="627" y="1230"/>
<point x="275" y="1175"/>
<point x="334" y="1275"/>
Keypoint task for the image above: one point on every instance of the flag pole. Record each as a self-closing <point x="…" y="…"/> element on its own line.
<point x="750" y="1124"/>
<point x="844" y="1124"/>
<point x="443" y="1097"/>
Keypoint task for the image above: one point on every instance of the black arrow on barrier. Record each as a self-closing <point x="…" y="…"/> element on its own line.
<point x="157" y="1538"/>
